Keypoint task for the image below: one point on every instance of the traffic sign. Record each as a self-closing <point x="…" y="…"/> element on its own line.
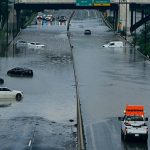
<point x="101" y="2"/>
<point x="84" y="2"/>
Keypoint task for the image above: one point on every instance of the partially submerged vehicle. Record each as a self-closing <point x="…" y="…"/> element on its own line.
<point x="7" y="93"/>
<point x="21" y="43"/>
<point x="20" y="72"/>
<point x="87" y="32"/>
<point x="114" y="44"/>
<point x="133" y="123"/>
<point x="35" y="45"/>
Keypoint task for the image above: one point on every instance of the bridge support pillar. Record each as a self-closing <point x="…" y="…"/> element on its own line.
<point x="124" y="20"/>
<point x="18" y="19"/>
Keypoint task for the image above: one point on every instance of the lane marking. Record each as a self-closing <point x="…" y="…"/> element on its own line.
<point x="92" y="138"/>
<point x="29" y="144"/>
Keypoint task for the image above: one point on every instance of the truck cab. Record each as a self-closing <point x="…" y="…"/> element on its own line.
<point x="133" y="123"/>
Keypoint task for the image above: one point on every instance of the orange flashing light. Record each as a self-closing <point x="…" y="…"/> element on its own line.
<point x="132" y="110"/>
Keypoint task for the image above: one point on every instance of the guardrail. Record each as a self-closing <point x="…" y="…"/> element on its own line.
<point x="80" y="128"/>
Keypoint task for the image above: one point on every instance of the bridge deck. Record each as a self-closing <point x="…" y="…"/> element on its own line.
<point x="74" y="1"/>
<point x="47" y="1"/>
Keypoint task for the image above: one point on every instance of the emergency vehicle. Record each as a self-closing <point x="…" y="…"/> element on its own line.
<point x="133" y="123"/>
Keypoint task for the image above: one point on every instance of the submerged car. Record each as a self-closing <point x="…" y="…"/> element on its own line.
<point x="35" y="45"/>
<point x="7" y="93"/>
<point x="114" y="44"/>
<point x="21" y="72"/>
<point x="87" y="32"/>
<point x="62" y="19"/>
<point x="21" y="43"/>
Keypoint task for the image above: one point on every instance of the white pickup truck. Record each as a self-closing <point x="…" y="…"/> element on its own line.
<point x="133" y="123"/>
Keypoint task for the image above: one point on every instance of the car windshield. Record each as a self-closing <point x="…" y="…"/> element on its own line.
<point x="134" y="118"/>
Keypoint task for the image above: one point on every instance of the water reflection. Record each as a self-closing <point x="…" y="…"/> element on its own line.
<point x="135" y="144"/>
<point x="7" y="102"/>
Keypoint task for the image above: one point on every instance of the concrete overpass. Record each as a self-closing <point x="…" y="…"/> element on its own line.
<point x="74" y="1"/>
<point x="123" y="17"/>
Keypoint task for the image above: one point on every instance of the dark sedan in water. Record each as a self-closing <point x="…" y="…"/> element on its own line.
<point x="87" y="32"/>
<point x="21" y="72"/>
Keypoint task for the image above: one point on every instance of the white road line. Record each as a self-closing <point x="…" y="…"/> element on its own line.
<point x="92" y="138"/>
<point x="29" y="144"/>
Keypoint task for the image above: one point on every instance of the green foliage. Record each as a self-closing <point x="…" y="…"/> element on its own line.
<point x="110" y="19"/>
<point x="143" y="40"/>
<point x="26" y="15"/>
<point x="4" y="10"/>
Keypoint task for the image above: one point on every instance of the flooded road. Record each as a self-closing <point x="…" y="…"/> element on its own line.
<point x="109" y="78"/>
<point x="46" y="117"/>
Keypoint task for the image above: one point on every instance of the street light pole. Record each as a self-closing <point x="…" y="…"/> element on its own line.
<point x="126" y="21"/>
<point x="7" y="23"/>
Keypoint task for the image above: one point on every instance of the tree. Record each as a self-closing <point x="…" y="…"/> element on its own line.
<point x="143" y="40"/>
<point x="4" y="11"/>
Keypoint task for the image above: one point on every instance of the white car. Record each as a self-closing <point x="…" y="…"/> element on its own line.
<point x="21" y="43"/>
<point x="35" y="45"/>
<point x="134" y="126"/>
<point x="114" y="44"/>
<point x="134" y="123"/>
<point x="7" y="93"/>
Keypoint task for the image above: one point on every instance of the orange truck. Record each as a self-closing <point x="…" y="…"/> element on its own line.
<point x="134" y="122"/>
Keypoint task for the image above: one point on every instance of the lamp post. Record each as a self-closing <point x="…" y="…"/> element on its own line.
<point x="7" y="22"/>
<point x="126" y="22"/>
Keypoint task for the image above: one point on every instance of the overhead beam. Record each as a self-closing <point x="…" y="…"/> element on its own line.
<point x="42" y="6"/>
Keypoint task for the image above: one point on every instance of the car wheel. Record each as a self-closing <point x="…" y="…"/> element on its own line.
<point x="125" y="137"/>
<point x="145" y="138"/>
<point x="122" y="135"/>
<point x="18" y="97"/>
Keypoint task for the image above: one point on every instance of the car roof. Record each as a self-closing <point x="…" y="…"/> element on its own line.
<point x="3" y="87"/>
<point x="35" y="42"/>
<point x="19" y="68"/>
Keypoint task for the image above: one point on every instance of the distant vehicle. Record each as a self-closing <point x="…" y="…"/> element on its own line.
<point x="7" y="93"/>
<point x="49" y="18"/>
<point x="133" y="123"/>
<point x="39" y="17"/>
<point x="20" y="72"/>
<point x="1" y="81"/>
<point x="62" y="19"/>
<point x="21" y="43"/>
<point x="87" y="32"/>
<point x="114" y="44"/>
<point x="35" y="45"/>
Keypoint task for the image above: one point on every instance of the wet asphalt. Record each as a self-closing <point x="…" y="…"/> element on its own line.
<point x="46" y="117"/>
<point x="109" y="78"/>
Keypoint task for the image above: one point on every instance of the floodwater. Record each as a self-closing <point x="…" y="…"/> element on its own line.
<point x="46" y="117"/>
<point x="108" y="79"/>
